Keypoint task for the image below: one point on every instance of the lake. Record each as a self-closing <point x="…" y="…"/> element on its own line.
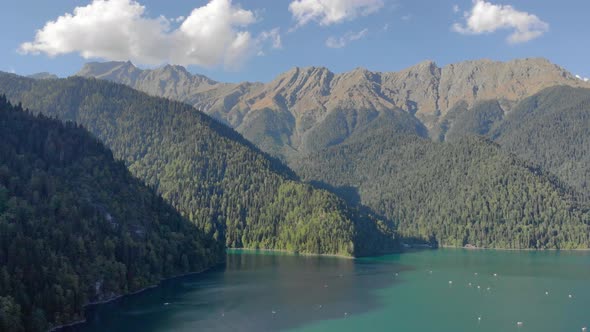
<point x="436" y="290"/>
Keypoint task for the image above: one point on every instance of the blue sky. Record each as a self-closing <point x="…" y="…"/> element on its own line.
<point x="241" y="42"/>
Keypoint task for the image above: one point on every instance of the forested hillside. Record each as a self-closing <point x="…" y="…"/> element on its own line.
<point x="76" y="227"/>
<point x="466" y="192"/>
<point x="552" y="129"/>
<point x="221" y="182"/>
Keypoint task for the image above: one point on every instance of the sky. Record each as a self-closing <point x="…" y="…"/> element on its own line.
<point x="255" y="40"/>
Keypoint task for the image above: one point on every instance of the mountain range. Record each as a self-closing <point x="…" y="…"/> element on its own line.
<point x="364" y="135"/>
<point x="124" y="176"/>
<point x="307" y="109"/>
<point x="213" y="176"/>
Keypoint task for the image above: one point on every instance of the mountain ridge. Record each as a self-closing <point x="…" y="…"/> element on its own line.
<point x="205" y="169"/>
<point x="298" y="102"/>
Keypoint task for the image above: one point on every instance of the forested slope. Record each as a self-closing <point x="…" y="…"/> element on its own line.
<point x="465" y="192"/>
<point x="552" y="129"/>
<point x="206" y="170"/>
<point x="76" y="227"/>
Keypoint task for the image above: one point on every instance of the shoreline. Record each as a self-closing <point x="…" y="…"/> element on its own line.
<point x="509" y="249"/>
<point x="115" y="298"/>
<point x="118" y="297"/>
<point x="294" y="253"/>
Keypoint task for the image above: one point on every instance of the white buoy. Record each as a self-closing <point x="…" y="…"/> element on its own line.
<point x="274" y="312"/>
<point x="495" y="274"/>
<point x="470" y="284"/>
<point x="570" y="296"/>
<point x="478" y="287"/>
<point x="396" y="274"/>
<point x="546" y="293"/>
<point x="475" y="273"/>
<point x="489" y="289"/>
<point x="450" y="282"/>
<point x="519" y="324"/>
<point x="479" y="318"/>
<point x="166" y="303"/>
<point x="584" y="329"/>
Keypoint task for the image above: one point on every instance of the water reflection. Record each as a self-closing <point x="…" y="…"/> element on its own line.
<point x="252" y="292"/>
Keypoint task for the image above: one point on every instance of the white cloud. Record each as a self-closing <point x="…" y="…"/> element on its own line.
<point x="270" y="36"/>
<point x="456" y="8"/>
<point x="213" y="34"/>
<point x="339" y="42"/>
<point x="486" y="17"/>
<point x="327" y="12"/>
<point x="274" y="36"/>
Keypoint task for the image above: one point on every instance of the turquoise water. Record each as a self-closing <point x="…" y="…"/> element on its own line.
<point x="441" y="290"/>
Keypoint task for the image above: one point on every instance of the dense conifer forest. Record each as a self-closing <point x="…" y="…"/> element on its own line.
<point x="489" y="178"/>
<point x="453" y="194"/>
<point x="552" y="129"/>
<point x="235" y="193"/>
<point x="77" y="227"/>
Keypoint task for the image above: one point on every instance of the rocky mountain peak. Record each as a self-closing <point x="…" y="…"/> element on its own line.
<point x="301" y="101"/>
<point x="107" y="70"/>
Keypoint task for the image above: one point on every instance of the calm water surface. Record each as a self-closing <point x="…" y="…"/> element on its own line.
<point x="442" y="290"/>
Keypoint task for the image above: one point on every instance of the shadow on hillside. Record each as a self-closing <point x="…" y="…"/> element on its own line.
<point x="348" y="193"/>
<point x="352" y="197"/>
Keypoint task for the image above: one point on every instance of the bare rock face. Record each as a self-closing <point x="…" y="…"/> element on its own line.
<point x="515" y="80"/>
<point x="308" y="108"/>
<point x="173" y="82"/>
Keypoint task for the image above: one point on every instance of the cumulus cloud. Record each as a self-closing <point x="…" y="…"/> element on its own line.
<point x="327" y="12"/>
<point x="213" y="34"/>
<point x="486" y="17"/>
<point x="340" y="42"/>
